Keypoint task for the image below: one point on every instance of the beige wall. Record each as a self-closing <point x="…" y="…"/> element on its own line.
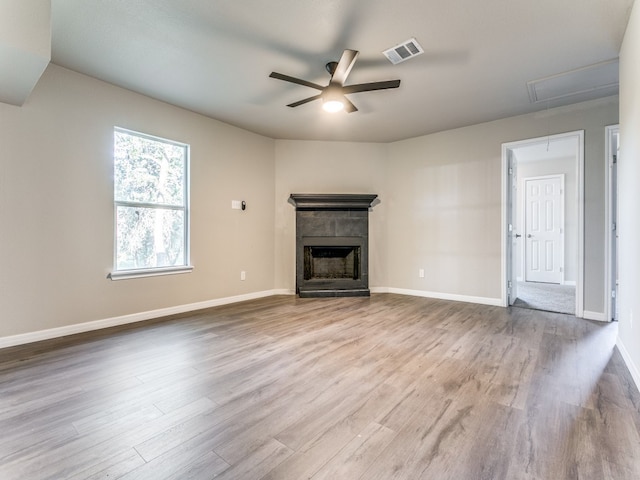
<point x="56" y="206"/>
<point x="629" y="196"/>
<point x="329" y="167"/>
<point x="444" y="202"/>
<point x="444" y="213"/>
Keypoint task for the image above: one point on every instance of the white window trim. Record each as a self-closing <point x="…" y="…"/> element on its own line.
<point x="158" y="271"/>
<point x="149" y="272"/>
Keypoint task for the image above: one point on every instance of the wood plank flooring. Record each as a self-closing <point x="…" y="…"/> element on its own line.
<point x="386" y="387"/>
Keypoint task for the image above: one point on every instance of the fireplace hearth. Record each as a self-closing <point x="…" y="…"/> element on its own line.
<point x="332" y="244"/>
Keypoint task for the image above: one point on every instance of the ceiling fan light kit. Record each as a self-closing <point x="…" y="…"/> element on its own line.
<point x="332" y="106"/>
<point x="332" y="99"/>
<point x="333" y="95"/>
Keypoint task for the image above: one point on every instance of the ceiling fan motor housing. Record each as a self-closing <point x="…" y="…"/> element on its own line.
<point x="331" y="67"/>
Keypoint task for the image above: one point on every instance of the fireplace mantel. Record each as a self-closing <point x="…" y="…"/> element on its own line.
<point x="332" y="201"/>
<point x="332" y="244"/>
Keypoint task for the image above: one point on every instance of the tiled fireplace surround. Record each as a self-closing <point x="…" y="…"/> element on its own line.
<point x="332" y="244"/>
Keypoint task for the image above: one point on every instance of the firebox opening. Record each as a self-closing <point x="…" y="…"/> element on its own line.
<point x="331" y="262"/>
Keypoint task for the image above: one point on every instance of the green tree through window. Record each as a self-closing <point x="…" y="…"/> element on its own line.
<point x="150" y="180"/>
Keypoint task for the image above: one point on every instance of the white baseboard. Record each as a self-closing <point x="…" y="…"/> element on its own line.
<point x="48" y="334"/>
<point x="379" y="289"/>
<point x="496" y="302"/>
<point x="283" y="291"/>
<point x="633" y="369"/>
<point x="30" y="337"/>
<point x="600" y="317"/>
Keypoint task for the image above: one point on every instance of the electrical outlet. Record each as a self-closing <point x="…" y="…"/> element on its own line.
<point x="243" y="275"/>
<point x="421" y="273"/>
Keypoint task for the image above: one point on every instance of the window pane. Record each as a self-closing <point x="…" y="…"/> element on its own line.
<point x="149" y="237"/>
<point x="148" y="170"/>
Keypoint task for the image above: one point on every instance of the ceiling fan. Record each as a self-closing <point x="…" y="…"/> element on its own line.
<point x="333" y="95"/>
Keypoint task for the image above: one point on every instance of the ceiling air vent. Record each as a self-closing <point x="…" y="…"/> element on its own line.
<point x="403" y="51"/>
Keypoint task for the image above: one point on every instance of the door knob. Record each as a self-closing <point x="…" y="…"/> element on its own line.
<point x="529" y="236"/>
<point x="517" y="235"/>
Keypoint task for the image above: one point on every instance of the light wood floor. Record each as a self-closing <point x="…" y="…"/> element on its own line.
<point x="387" y="387"/>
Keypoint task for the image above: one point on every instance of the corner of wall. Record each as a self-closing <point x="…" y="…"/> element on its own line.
<point x="628" y="360"/>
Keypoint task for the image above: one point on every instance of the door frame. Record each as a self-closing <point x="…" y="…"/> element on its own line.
<point x="610" y="221"/>
<point x="507" y="192"/>
<point x="562" y="220"/>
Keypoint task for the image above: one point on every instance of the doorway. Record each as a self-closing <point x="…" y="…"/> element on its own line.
<point x="611" y="240"/>
<point x="543" y="223"/>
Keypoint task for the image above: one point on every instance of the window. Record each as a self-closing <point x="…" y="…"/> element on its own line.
<point x="151" y="205"/>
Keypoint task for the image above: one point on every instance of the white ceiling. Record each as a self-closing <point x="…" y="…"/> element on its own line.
<point x="214" y="57"/>
<point x="546" y="149"/>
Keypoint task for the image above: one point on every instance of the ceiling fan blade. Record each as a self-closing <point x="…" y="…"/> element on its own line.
<point x="344" y="67"/>
<point x="367" y="87"/>
<point x="348" y="106"/>
<point x="295" y="80"/>
<point x="306" y="100"/>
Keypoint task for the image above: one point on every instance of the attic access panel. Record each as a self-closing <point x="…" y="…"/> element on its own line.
<point x="600" y="79"/>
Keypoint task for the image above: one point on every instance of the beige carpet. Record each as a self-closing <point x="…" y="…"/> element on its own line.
<point x="546" y="296"/>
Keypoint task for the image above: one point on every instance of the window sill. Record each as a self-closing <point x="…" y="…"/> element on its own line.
<point x="151" y="272"/>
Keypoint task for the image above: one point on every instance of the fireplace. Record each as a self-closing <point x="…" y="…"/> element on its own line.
<point x="323" y="262"/>
<point x="332" y="242"/>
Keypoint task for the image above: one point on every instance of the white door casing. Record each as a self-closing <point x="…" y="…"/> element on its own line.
<point x="544" y="229"/>
<point x="514" y="235"/>
<point x="611" y="240"/>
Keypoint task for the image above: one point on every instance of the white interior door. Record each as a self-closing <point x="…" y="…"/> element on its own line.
<point x="544" y="222"/>
<point x="512" y="288"/>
